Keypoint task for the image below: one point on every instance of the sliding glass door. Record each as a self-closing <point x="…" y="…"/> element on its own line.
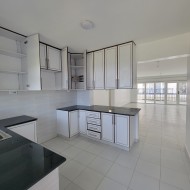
<point x="149" y="92"/>
<point x="141" y="93"/>
<point x="182" y="92"/>
<point x="172" y="93"/>
<point x="160" y="93"/>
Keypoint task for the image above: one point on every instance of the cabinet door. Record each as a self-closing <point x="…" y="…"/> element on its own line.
<point x="89" y="74"/>
<point x="99" y="69"/>
<point x="122" y="130"/>
<point x="108" y="127"/>
<point x="82" y="121"/>
<point x="32" y="62"/>
<point x="65" y="71"/>
<point x="73" y="123"/>
<point x="43" y="63"/>
<point x="111" y="68"/>
<point x="125" y="66"/>
<point x="54" y="59"/>
<point x="27" y="130"/>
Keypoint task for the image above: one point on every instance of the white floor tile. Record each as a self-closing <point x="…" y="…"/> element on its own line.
<point x="120" y="174"/>
<point x="108" y="184"/>
<point x="143" y="182"/>
<point x="110" y="153"/>
<point x="63" y="182"/>
<point x="72" y="151"/>
<point x="73" y="186"/>
<point x="88" y="179"/>
<point x="100" y="165"/>
<point x="164" y="186"/>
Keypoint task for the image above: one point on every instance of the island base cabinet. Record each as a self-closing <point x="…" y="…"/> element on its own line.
<point x="108" y="127"/>
<point x="49" y="182"/>
<point x="27" y="130"/>
<point x="122" y="130"/>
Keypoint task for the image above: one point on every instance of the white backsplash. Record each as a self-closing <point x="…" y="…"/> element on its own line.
<point x="42" y="105"/>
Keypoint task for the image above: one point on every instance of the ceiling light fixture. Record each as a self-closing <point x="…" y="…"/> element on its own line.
<point x="87" y="24"/>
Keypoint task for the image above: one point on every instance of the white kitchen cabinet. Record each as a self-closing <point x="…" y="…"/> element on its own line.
<point x="99" y="69"/>
<point x="43" y="56"/>
<point x="122" y="130"/>
<point x="54" y="58"/>
<point x="126" y="66"/>
<point x="108" y="128"/>
<point x="89" y="73"/>
<point x="27" y="130"/>
<point x="111" y="68"/>
<point x="82" y="121"/>
<point x="65" y="69"/>
<point x="73" y="123"/>
<point x="19" y="61"/>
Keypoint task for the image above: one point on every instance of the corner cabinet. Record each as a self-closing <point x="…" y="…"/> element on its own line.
<point x="27" y="130"/>
<point x="19" y="62"/>
<point x="89" y="71"/>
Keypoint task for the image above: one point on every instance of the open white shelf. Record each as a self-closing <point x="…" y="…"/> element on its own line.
<point x="12" y="72"/>
<point x="11" y="54"/>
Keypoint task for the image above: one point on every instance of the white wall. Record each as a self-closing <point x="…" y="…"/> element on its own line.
<point x="37" y="104"/>
<point x="84" y="97"/>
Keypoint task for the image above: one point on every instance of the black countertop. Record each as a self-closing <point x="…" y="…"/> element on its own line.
<point x="22" y="162"/>
<point x="105" y="109"/>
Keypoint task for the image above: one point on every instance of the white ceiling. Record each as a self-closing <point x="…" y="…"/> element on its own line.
<point x="116" y="21"/>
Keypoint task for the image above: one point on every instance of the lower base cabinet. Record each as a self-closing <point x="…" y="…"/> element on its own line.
<point x="73" y="123"/>
<point x="82" y="122"/>
<point x="122" y="130"/>
<point x="108" y="131"/>
<point x="27" y="130"/>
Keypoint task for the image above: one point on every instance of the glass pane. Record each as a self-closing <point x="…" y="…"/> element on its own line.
<point x="149" y="92"/>
<point x="160" y="92"/>
<point x="182" y="92"/>
<point x="172" y="93"/>
<point x="141" y="93"/>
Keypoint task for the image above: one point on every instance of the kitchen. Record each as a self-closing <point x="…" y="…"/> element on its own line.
<point x="43" y="104"/>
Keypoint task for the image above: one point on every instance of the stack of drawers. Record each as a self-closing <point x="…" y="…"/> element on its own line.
<point x="94" y="128"/>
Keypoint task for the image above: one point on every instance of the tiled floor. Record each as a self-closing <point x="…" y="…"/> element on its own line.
<point x="156" y="162"/>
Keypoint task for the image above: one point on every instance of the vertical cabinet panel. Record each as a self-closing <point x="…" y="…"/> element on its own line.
<point x="54" y="58"/>
<point x="32" y="62"/>
<point x="125" y="65"/>
<point x="65" y="71"/>
<point x="43" y="56"/>
<point x="108" y="127"/>
<point x="82" y="121"/>
<point x="111" y="68"/>
<point x="89" y="73"/>
<point x="122" y="130"/>
<point x="73" y="123"/>
<point x="99" y="69"/>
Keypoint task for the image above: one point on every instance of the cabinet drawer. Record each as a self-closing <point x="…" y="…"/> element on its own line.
<point x="93" y="121"/>
<point x="93" y="134"/>
<point x="93" y="114"/>
<point x="94" y="127"/>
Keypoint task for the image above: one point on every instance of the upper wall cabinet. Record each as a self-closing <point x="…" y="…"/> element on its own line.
<point x="19" y="61"/>
<point x="111" y="68"/>
<point x="65" y="68"/>
<point x="89" y="71"/>
<point x="99" y="69"/>
<point x="127" y="70"/>
<point x="50" y="61"/>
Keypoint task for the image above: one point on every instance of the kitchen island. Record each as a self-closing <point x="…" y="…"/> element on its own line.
<point x="25" y="164"/>
<point x="117" y="126"/>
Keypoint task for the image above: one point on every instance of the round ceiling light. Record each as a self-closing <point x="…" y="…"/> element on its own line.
<point x="87" y="24"/>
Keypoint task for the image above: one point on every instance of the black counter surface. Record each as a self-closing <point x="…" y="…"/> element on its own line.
<point x="22" y="162"/>
<point x="105" y="109"/>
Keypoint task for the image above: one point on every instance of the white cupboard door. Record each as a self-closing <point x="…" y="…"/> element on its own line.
<point x="111" y="68"/>
<point x="125" y="65"/>
<point x="43" y="61"/>
<point x="73" y="123"/>
<point x="99" y="69"/>
<point x="89" y="73"/>
<point x="31" y="48"/>
<point x="122" y="130"/>
<point x="54" y="58"/>
<point x="82" y="121"/>
<point x="65" y="71"/>
<point x="27" y="130"/>
<point x="108" y="127"/>
<point x="84" y="71"/>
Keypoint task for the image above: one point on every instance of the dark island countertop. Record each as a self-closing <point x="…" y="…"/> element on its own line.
<point x="22" y="162"/>
<point x="105" y="109"/>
